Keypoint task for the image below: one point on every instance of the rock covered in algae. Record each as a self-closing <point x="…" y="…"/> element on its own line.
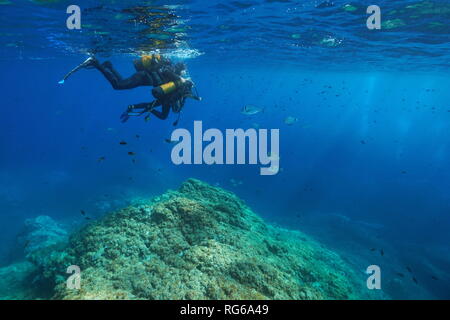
<point x="17" y="281"/>
<point x="200" y="242"/>
<point x="41" y="236"/>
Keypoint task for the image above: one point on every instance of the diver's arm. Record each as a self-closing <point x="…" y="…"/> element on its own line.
<point x="192" y="96"/>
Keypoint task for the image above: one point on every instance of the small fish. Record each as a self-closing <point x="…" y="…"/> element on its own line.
<point x="138" y="136"/>
<point x="373" y="249"/>
<point x="170" y="141"/>
<point x="400" y="274"/>
<point x="434" y="278"/>
<point x="363" y="142"/>
<point x="101" y="159"/>
<point x="382" y="252"/>
<point x="409" y="269"/>
<point x="87" y="218"/>
<point x="122" y="143"/>
<point x="133" y="160"/>
<point x="290" y="120"/>
<point x="82" y="212"/>
<point x="250" y="110"/>
<point x="415" y="280"/>
<point x="131" y="153"/>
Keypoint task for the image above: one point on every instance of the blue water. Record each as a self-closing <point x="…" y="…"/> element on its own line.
<point x="371" y="142"/>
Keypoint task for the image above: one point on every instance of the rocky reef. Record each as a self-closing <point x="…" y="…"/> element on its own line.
<point x="41" y="234"/>
<point x="199" y="242"/>
<point x="18" y="281"/>
<point x="40" y="240"/>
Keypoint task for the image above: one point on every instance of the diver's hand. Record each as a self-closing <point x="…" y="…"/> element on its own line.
<point x="187" y="80"/>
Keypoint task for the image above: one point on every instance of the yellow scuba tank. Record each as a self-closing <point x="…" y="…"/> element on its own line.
<point x="150" y="61"/>
<point x="164" y="89"/>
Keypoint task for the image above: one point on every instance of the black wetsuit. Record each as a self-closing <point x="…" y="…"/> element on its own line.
<point x="165" y="73"/>
<point x="174" y="101"/>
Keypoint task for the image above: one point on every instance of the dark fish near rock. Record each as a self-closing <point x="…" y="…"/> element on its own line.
<point x="83" y="213"/>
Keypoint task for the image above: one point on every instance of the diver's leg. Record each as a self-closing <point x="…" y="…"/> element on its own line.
<point x="162" y="114"/>
<point x="108" y="65"/>
<point x="139" y="106"/>
<point x="136" y="80"/>
<point x="145" y="106"/>
<point x="134" y="110"/>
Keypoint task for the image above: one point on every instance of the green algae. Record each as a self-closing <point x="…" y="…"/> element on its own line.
<point x="350" y="8"/>
<point x="392" y="24"/>
<point x="200" y="242"/>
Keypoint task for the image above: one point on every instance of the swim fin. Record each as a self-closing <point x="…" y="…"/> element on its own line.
<point x="124" y="117"/>
<point x="89" y="62"/>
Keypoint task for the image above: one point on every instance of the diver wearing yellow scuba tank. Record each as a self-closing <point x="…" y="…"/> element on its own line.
<point x="151" y="70"/>
<point x="170" y="96"/>
<point x="170" y="88"/>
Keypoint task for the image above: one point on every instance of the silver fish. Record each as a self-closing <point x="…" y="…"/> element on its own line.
<point x="290" y="120"/>
<point x="250" y="110"/>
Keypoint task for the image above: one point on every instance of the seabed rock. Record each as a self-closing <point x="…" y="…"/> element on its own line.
<point x="17" y="281"/>
<point x="200" y="242"/>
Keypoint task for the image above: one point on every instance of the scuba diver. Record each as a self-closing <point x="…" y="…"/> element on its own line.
<point x="169" y="96"/>
<point x="171" y="88"/>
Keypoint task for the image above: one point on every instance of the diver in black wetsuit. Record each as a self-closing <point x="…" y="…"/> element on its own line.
<point x="170" y="88"/>
<point x="171" y="95"/>
<point x="151" y="70"/>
